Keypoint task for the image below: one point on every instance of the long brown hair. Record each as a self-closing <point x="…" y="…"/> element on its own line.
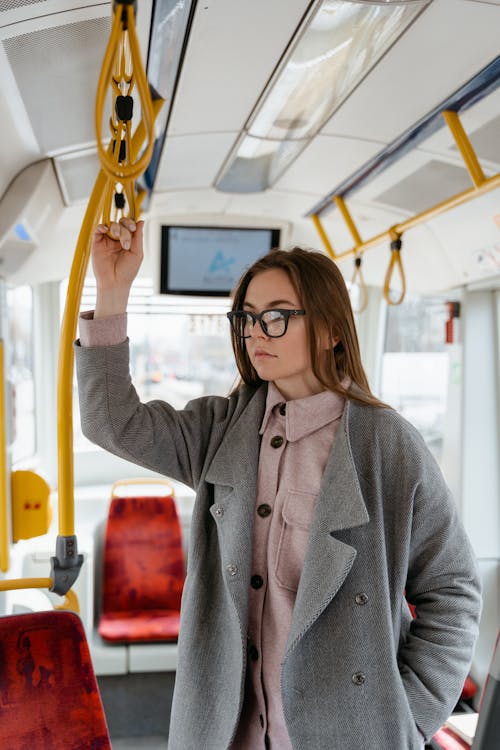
<point x="323" y="295"/>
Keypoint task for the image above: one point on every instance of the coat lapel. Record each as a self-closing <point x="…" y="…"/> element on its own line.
<point x="233" y="472"/>
<point x="340" y="505"/>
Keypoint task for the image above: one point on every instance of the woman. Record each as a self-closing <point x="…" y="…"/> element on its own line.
<point x="319" y="514"/>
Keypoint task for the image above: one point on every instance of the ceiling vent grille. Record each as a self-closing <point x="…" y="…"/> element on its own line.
<point x="432" y="183"/>
<point x="13" y="4"/>
<point x="486" y="141"/>
<point x="56" y="70"/>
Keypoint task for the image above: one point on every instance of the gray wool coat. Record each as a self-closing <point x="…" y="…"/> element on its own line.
<point x="358" y="673"/>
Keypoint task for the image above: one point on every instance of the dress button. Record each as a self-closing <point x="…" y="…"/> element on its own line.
<point x="261" y="719"/>
<point x="253" y="653"/>
<point x="219" y="511"/>
<point x="276" y="441"/>
<point x="358" y="678"/>
<point x="361" y="598"/>
<point x="264" y="510"/>
<point x="256" y="581"/>
<point x="283" y="410"/>
<point x="232" y="569"/>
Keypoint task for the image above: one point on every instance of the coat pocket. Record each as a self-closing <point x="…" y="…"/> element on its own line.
<point x="296" y="517"/>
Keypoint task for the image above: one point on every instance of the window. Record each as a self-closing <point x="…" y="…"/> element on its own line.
<point x="416" y="366"/>
<point x="180" y="347"/>
<point x="20" y="372"/>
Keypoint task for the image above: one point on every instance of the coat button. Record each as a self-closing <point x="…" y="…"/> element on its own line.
<point x="361" y="598"/>
<point x="358" y="678"/>
<point x="276" y="441"/>
<point x="219" y="511"/>
<point x="264" y="510"/>
<point x="232" y="569"/>
<point x="256" y="581"/>
<point x="283" y="410"/>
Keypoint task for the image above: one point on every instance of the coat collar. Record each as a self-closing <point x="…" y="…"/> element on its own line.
<point x="303" y="415"/>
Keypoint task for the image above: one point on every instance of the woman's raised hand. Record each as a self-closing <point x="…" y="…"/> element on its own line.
<point x="116" y="263"/>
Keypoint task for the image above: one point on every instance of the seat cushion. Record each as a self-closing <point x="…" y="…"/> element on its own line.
<point x="147" y="625"/>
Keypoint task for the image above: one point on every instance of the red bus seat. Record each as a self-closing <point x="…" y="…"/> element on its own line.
<point x="143" y="571"/>
<point x="48" y="691"/>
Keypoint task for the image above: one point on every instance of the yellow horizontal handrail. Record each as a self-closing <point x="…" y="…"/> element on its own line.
<point x="457" y="200"/>
<point x="14" y="584"/>
<point x="481" y="185"/>
<point x="70" y="602"/>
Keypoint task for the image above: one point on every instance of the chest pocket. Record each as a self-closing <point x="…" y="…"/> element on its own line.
<point x="297" y="513"/>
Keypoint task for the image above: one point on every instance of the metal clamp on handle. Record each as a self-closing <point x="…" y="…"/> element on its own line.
<point x="65" y="566"/>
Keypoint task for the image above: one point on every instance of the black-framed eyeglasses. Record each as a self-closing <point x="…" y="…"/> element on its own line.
<point x="274" y="323"/>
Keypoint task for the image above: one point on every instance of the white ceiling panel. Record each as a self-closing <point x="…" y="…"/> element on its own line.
<point x="233" y="49"/>
<point x="470" y="236"/>
<point x="188" y="202"/>
<point x="192" y="161"/>
<point x="420" y="70"/>
<point x="326" y="162"/>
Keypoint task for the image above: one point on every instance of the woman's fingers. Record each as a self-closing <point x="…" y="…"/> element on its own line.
<point x="122" y="231"/>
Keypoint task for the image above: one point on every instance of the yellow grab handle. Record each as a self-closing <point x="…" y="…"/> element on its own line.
<point x="395" y="262"/>
<point x="358" y="280"/>
<point x="123" y="26"/>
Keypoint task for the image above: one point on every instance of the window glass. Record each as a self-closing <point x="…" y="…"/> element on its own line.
<point x="180" y="347"/>
<point x="20" y="372"/>
<point x="415" y="366"/>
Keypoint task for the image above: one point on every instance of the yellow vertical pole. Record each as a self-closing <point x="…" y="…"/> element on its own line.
<point x="340" y="203"/>
<point x="65" y="366"/>
<point x="4" y="497"/>
<point x="324" y="238"/>
<point x="465" y="147"/>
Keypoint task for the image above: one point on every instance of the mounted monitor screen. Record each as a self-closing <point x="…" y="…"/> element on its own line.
<point x="209" y="261"/>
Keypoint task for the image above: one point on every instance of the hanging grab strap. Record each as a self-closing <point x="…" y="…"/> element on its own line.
<point x="123" y="54"/>
<point x="359" y="281"/>
<point x="395" y="262"/>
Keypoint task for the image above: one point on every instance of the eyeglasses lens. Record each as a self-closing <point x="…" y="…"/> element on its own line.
<point x="274" y="322"/>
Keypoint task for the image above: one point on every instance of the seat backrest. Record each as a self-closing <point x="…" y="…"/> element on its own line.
<point x="143" y="559"/>
<point x="48" y="691"/>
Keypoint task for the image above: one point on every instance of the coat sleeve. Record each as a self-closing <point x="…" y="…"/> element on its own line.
<point x="154" y="434"/>
<point x="444" y="586"/>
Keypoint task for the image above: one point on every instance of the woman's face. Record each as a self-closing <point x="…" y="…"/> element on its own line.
<point x="286" y="360"/>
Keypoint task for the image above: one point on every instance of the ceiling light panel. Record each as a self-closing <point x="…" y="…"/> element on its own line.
<point x="340" y="43"/>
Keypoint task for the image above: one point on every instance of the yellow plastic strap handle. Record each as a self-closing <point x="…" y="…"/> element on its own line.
<point x="124" y="23"/>
<point x="358" y="279"/>
<point x="395" y="262"/>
